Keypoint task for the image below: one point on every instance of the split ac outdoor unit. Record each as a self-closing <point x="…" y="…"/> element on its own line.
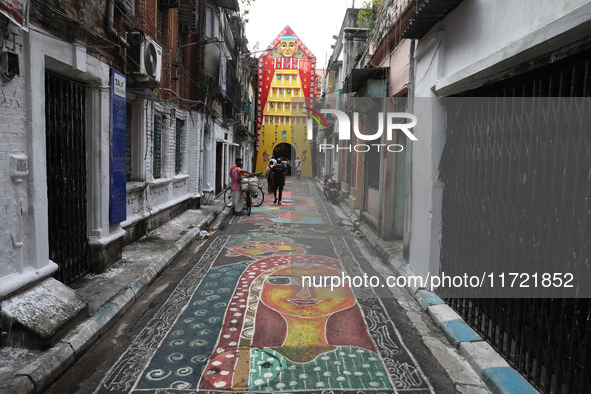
<point x="145" y="59"/>
<point x="127" y="6"/>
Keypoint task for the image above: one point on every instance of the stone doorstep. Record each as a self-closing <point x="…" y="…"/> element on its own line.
<point x="41" y="315"/>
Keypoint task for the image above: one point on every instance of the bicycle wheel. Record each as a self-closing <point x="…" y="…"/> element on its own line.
<point x="257" y="197"/>
<point x="228" y="197"/>
<point x="248" y="203"/>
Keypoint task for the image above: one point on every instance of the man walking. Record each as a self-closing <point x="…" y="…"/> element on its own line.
<point x="278" y="177"/>
<point x="237" y="193"/>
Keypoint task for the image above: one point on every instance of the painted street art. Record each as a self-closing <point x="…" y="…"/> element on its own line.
<point x="244" y="320"/>
<point x="298" y="207"/>
<point x="294" y="209"/>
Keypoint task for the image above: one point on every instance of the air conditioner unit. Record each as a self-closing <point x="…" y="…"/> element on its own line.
<point x="127" y="6"/>
<point x="145" y="59"/>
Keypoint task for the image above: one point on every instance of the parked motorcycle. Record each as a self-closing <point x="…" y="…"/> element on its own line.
<point x="331" y="188"/>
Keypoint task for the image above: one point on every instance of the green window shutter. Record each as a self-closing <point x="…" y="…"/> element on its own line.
<point x="178" y="157"/>
<point x="157" y="173"/>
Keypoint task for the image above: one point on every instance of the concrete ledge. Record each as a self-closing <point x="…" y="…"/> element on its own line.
<point x="428" y="298"/>
<point x="406" y="271"/>
<point x="19" y="385"/>
<point x="46" y="368"/>
<point x="504" y="380"/>
<point x="481" y="355"/>
<point x="442" y="313"/>
<point x="82" y="337"/>
<point x="139" y="285"/>
<point x="124" y="301"/>
<point x="106" y="316"/>
<point x="457" y="331"/>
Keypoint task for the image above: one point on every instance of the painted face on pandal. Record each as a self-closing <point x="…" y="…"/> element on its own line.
<point x="266" y="248"/>
<point x="288" y="48"/>
<point x="283" y="291"/>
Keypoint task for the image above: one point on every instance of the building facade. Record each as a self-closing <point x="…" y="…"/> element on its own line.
<point x="121" y="114"/>
<point x="481" y="187"/>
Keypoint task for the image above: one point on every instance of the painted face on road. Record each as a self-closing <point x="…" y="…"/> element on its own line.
<point x="285" y="292"/>
<point x="266" y="248"/>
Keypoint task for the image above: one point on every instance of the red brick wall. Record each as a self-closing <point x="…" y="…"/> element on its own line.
<point x="73" y="20"/>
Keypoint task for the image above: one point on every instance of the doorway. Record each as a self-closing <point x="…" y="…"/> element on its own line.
<point x="66" y="176"/>
<point x="285" y="151"/>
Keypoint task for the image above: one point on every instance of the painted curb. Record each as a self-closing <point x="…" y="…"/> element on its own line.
<point x="491" y="367"/>
<point x="427" y="299"/>
<point x="457" y="331"/>
<point x="53" y="363"/>
<point x="82" y="337"/>
<point x="481" y="355"/>
<point x="501" y="380"/>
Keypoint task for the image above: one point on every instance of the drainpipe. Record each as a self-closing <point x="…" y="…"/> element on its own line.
<point x="111" y="29"/>
<point x="408" y="186"/>
<point x="383" y="141"/>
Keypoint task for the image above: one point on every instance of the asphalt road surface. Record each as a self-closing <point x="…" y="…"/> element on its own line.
<point x="235" y="313"/>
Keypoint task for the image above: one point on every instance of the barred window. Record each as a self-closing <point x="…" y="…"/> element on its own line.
<point x="157" y="149"/>
<point x="178" y="157"/>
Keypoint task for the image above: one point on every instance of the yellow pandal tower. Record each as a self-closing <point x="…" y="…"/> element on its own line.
<point x="286" y="86"/>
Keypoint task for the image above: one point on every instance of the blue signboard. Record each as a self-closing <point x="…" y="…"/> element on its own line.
<point x="117" y="208"/>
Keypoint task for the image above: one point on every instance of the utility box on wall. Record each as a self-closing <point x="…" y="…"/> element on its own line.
<point x="19" y="167"/>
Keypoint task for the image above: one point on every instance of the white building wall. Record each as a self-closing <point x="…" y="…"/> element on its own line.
<point x="152" y="195"/>
<point x="24" y="242"/>
<point x="481" y="38"/>
<point x="471" y="46"/>
<point x="15" y="237"/>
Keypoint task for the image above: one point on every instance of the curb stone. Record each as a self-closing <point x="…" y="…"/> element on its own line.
<point x="506" y="380"/>
<point x="495" y="372"/>
<point x="37" y="376"/>
<point x="481" y="355"/>
<point x="499" y="379"/>
<point x="55" y="361"/>
<point x="82" y="337"/>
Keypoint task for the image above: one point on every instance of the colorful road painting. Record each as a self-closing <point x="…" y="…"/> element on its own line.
<point x="296" y="206"/>
<point x="252" y="324"/>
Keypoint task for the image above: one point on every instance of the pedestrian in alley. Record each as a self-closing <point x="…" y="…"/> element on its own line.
<point x="237" y="193"/>
<point x="298" y="167"/>
<point x="268" y="178"/>
<point x="278" y="178"/>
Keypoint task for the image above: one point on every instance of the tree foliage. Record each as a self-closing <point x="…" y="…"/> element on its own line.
<point x="368" y="13"/>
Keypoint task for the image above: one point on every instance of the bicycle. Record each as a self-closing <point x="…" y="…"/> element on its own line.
<point x="257" y="196"/>
<point x="253" y="193"/>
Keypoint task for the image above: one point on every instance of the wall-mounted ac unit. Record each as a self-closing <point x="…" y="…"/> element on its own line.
<point x="126" y="6"/>
<point x="144" y="59"/>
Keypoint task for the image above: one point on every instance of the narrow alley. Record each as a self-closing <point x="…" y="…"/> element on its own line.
<point x="239" y="318"/>
<point x="433" y="235"/>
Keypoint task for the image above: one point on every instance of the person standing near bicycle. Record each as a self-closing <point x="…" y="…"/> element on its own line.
<point x="237" y="193"/>
<point x="278" y="178"/>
